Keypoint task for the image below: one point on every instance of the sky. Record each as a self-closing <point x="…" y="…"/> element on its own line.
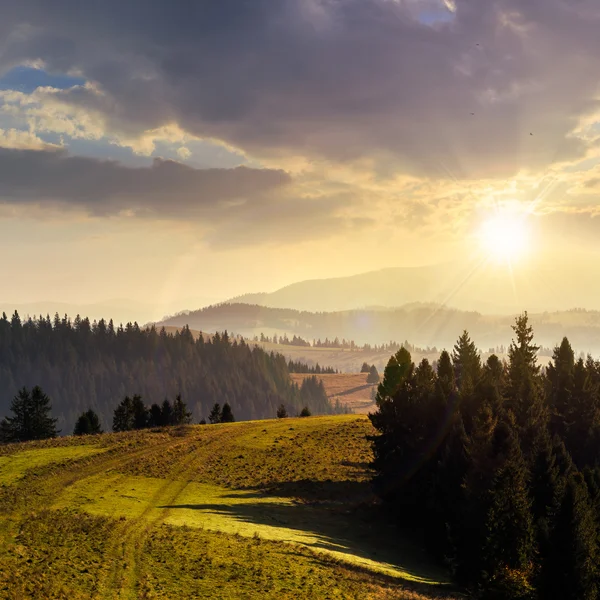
<point x="177" y="154"/>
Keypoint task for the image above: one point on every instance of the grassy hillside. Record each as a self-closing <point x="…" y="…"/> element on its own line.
<point x="263" y="509"/>
<point x="350" y="389"/>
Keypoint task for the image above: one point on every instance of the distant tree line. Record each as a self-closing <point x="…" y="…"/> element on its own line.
<point x="300" y="367"/>
<point x="497" y="465"/>
<point x="342" y="344"/>
<point x="83" y="365"/>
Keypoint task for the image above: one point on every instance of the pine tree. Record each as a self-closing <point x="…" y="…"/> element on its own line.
<point x="88" y="423"/>
<point x="123" y="415"/>
<point x="560" y="379"/>
<point x="31" y="418"/>
<point x="396" y="371"/>
<point x="466" y="361"/>
<point x="181" y="415"/>
<point x="525" y="395"/>
<point x="305" y="412"/>
<point x="574" y="565"/>
<point x="215" y="414"/>
<point x="282" y="412"/>
<point x="373" y="376"/>
<point x="166" y="413"/>
<point x="227" y="414"/>
<point x="509" y="548"/>
<point x="140" y="412"/>
<point x="155" y="416"/>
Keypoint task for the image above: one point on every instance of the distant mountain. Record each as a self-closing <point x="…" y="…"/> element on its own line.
<point x="420" y="324"/>
<point x="484" y="287"/>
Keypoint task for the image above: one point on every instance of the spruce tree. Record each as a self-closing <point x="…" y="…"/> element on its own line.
<point x="166" y="413"/>
<point x="181" y="415"/>
<point x="373" y="376"/>
<point x="155" y="416"/>
<point x="466" y="361"/>
<point x="215" y="414"/>
<point x="140" y="412"/>
<point x="88" y="423"/>
<point x="574" y="564"/>
<point x="227" y="414"/>
<point x="123" y="415"/>
<point x="509" y="548"/>
<point x="282" y="412"/>
<point x="396" y="371"/>
<point x="525" y="394"/>
<point x="31" y="418"/>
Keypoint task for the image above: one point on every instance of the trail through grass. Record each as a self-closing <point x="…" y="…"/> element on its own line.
<point x="263" y="509"/>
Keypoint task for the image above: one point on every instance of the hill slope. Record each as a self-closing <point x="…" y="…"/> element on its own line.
<point x="421" y="324"/>
<point x="351" y="389"/>
<point x="270" y="509"/>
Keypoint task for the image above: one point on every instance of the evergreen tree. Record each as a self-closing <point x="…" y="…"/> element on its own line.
<point x="181" y="415"/>
<point x="282" y="412"/>
<point x="227" y="414"/>
<point x="574" y="563"/>
<point x="140" y="412"/>
<point x="559" y="375"/>
<point x="305" y="412"/>
<point x="31" y="418"/>
<point x="215" y="414"/>
<point x="509" y="548"/>
<point x="155" y="418"/>
<point x="525" y="395"/>
<point x="123" y="416"/>
<point x="373" y="376"/>
<point x="166" y="411"/>
<point x="397" y="370"/>
<point x="88" y="423"/>
<point x="466" y="361"/>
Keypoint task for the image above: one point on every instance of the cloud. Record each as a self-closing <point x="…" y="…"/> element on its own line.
<point x="339" y="80"/>
<point x="23" y="140"/>
<point x="166" y="188"/>
<point x="227" y="207"/>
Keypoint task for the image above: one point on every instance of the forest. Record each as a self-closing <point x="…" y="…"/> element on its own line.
<point x="82" y="366"/>
<point x="495" y="465"/>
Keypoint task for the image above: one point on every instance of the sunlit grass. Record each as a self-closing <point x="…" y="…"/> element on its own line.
<point x="15" y="466"/>
<point x="263" y="509"/>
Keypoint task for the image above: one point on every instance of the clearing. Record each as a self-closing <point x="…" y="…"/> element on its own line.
<point x="260" y="509"/>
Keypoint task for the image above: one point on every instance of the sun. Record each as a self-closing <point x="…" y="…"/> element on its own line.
<point x="504" y="236"/>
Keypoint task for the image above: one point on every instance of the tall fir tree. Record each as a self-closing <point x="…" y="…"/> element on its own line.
<point x="31" y="418"/>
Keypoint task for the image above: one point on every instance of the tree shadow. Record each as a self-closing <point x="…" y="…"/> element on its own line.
<point x="355" y="534"/>
<point x="348" y="493"/>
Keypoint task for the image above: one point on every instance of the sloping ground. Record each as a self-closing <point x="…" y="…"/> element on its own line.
<point x="262" y="509"/>
<point x="351" y="389"/>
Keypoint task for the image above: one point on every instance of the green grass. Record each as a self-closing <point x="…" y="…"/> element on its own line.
<point x="14" y="466"/>
<point x="263" y="509"/>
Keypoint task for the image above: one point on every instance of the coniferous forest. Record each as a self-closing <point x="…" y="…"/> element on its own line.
<point x="497" y="465"/>
<point x="82" y="366"/>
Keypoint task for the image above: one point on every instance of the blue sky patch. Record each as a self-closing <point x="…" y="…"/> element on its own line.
<point x="27" y="79"/>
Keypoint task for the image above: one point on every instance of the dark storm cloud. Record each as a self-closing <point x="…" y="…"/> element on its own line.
<point x="335" y="78"/>
<point x="166" y="188"/>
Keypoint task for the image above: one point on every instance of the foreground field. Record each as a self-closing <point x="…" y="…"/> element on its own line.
<point x="269" y="509"/>
<point x="350" y="389"/>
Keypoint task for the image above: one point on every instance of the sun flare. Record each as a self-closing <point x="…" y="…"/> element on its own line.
<point x="504" y="237"/>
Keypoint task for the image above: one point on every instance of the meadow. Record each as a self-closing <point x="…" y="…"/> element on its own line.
<point x="350" y="389"/>
<point x="269" y="509"/>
